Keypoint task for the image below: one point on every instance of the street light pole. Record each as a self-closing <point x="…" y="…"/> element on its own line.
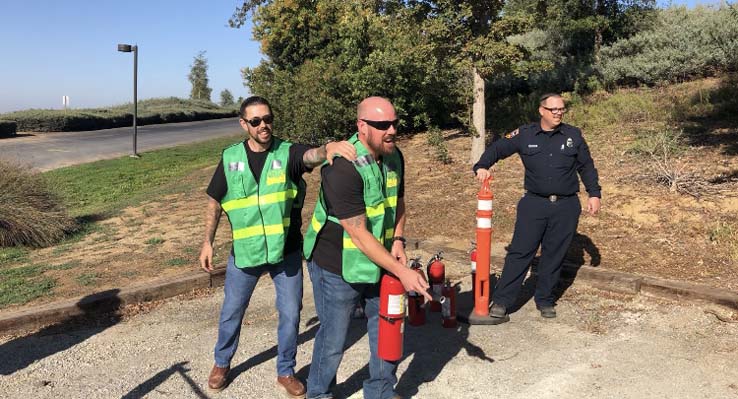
<point x="127" y="48"/>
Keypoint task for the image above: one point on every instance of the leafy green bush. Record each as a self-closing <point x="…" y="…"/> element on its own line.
<point x="7" y="128"/>
<point x="152" y="111"/>
<point x="31" y="214"/>
<point x="682" y="44"/>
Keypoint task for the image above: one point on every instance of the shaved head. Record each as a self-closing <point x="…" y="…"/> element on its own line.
<point x="376" y="122"/>
<point x="375" y="108"/>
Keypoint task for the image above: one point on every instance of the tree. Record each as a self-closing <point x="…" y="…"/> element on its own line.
<point x="474" y="34"/>
<point x="198" y="77"/>
<point x="570" y="35"/>
<point x="226" y="98"/>
<point x="323" y="56"/>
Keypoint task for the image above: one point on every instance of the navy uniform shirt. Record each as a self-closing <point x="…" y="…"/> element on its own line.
<point x="551" y="159"/>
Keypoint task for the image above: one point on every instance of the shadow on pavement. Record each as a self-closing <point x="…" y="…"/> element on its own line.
<point x="432" y="346"/>
<point x="20" y="352"/>
<point x="149" y="385"/>
<point x="574" y="260"/>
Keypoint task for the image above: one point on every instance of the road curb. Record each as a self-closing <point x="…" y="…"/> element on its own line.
<point x="107" y="301"/>
<point x="617" y="281"/>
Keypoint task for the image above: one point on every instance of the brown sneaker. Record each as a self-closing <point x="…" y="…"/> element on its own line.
<point x="218" y="378"/>
<point x="291" y="385"/>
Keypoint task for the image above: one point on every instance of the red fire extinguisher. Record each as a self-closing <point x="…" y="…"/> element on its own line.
<point x="391" y="317"/>
<point x="448" y="311"/>
<point x="436" y="277"/>
<point x="473" y="257"/>
<point x="415" y="300"/>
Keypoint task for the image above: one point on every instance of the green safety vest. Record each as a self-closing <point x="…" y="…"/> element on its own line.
<point x="259" y="212"/>
<point x="381" y="185"/>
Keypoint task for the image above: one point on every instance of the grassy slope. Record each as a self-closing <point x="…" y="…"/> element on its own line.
<point x="95" y="191"/>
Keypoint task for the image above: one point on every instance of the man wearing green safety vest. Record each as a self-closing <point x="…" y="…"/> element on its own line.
<point x="355" y="233"/>
<point x="259" y="185"/>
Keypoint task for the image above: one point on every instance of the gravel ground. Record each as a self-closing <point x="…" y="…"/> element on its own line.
<point x="602" y="346"/>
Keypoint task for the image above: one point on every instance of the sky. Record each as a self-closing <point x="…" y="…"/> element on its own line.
<point x="69" y="48"/>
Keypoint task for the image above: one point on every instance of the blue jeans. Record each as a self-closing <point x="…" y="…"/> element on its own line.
<point x="238" y="287"/>
<point x="334" y="302"/>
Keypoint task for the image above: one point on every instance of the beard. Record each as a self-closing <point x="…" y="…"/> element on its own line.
<point x="263" y="135"/>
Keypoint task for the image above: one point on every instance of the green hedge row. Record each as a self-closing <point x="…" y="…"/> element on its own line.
<point x="7" y="128"/>
<point x="151" y="111"/>
<point x="76" y="121"/>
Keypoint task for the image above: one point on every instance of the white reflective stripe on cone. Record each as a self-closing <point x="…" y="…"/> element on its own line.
<point x="484" y="205"/>
<point x="484" y="223"/>
<point x="474" y="266"/>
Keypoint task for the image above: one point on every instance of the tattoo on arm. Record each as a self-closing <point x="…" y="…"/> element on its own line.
<point x="212" y="217"/>
<point x="356" y="221"/>
<point x="314" y="156"/>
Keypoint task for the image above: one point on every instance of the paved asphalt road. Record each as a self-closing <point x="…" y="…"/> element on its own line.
<point x="46" y="151"/>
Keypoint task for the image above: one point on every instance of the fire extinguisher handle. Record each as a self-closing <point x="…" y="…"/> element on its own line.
<point x="436" y="297"/>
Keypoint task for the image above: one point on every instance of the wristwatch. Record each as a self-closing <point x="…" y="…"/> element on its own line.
<point x="400" y="238"/>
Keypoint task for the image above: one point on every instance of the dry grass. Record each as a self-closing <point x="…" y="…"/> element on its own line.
<point x="31" y="214"/>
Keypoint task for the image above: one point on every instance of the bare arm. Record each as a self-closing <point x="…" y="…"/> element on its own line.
<point x="316" y="156"/>
<point x="212" y="218"/>
<point x="398" y="247"/>
<point x="375" y="251"/>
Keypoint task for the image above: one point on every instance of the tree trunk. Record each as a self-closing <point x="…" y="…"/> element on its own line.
<point x="597" y="44"/>
<point x="478" y="139"/>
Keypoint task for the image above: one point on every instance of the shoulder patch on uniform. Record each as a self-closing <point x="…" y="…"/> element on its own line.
<point x="512" y="134"/>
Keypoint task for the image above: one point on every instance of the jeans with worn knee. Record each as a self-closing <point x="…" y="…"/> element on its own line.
<point x="334" y="302"/>
<point x="238" y="287"/>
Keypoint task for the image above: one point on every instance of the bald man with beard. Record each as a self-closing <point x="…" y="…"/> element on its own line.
<point x="356" y="235"/>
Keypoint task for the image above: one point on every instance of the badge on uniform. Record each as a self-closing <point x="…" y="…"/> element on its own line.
<point x="569" y="142"/>
<point x="236" y="166"/>
<point x="276" y="164"/>
<point x="512" y="134"/>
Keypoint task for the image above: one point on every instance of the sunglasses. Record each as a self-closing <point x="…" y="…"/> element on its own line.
<point x="382" y="125"/>
<point x="254" y="122"/>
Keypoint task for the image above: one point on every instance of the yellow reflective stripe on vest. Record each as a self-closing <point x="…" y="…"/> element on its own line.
<point x="389" y="233"/>
<point x="373" y="211"/>
<point x="239" y="203"/>
<point x="390" y="202"/>
<point x="263" y="200"/>
<point x="391" y="182"/>
<point x="315" y="224"/>
<point x="348" y="243"/>
<point x="270" y="229"/>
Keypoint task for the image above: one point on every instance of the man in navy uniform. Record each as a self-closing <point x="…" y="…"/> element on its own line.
<point x="552" y="153"/>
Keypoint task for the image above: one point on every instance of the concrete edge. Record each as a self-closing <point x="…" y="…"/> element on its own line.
<point x="622" y="282"/>
<point x="107" y="301"/>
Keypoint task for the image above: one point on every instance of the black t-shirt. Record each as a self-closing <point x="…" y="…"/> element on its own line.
<point x="218" y="186"/>
<point x="343" y="192"/>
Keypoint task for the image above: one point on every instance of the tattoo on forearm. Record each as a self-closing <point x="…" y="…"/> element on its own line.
<point x="356" y="221"/>
<point x="212" y="217"/>
<point x="314" y="156"/>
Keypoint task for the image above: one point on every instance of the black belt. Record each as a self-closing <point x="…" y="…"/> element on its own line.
<point x="551" y="197"/>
